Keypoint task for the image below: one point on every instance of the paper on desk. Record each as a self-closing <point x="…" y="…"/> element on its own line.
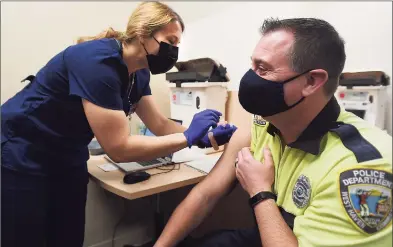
<point x="108" y="167"/>
<point x="205" y="164"/>
<point x="187" y="154"/>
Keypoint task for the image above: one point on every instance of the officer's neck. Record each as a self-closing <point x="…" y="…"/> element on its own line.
<point x="293" y="122"/>
<point x="134" y="56"/>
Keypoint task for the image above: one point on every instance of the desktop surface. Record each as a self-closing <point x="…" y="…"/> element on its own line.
<point x="113" y="181"/>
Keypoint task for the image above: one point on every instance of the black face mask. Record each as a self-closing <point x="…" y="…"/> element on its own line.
<point x="263" y="97"/>
<point x="165" y="59"/>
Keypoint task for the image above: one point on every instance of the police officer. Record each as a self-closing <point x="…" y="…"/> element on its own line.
<point x="88" y="90"/>
<point x="305" y="159"/>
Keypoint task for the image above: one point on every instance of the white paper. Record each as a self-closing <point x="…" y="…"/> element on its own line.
<point x="185" y="98"/>
<point x="205" y="164"/>
<point x="108" y="167"/>
<point x="187" y="154"/>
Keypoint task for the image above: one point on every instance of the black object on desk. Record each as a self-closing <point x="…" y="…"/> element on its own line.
<point x="136" y="177"/>
<point x="364" y="78"/>
<point x="198" y="70"/>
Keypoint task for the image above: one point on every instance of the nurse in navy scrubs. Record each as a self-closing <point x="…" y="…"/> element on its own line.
<point x="88" y="90"/>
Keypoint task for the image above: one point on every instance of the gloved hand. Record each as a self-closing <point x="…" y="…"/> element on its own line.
<point x="200" y="125"/>
<point x="222" y="134"/>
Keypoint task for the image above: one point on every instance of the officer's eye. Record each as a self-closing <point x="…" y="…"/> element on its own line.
<point x="260" y="70"/>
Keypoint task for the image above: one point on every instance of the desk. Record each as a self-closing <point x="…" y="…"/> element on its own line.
<point x="113" y="181"/>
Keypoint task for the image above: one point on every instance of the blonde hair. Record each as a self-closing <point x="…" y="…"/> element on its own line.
<point x="145" y="20"/>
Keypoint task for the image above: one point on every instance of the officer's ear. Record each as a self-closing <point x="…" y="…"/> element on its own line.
<point x="315" y="79"/>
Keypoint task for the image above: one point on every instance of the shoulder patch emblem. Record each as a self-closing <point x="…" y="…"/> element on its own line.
<point x="258" y="120"/>
<point x="301" y="192"/>
<point x="366" y="195"/>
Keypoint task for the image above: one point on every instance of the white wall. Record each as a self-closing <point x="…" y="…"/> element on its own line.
<point x="33" y="32"/>
<point x="231" y="35"/>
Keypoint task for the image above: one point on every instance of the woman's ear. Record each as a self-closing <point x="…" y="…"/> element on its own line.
<point x="141" y="40"/>
<point x="315" y="79"/>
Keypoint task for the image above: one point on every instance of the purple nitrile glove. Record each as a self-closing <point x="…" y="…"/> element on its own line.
<point x="200" y="125"/>
<point x="222" y="134"/>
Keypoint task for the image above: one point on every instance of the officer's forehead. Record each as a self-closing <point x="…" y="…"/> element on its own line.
<point x="274" y="47"/>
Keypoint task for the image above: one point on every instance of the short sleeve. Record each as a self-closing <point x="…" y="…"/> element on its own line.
<point x="146" y="90"/>
<point x="259" y="136"/>
<point x="253" y="136"/>
<point x="352" y="207"/>
<point x="95" y="78"/>
<point x="144" y="78"/>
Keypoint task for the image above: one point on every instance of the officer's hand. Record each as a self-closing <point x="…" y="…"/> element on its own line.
<point x="200" y="125"/>
<point x="222" y="134"/>
<point x="253" y="175"/>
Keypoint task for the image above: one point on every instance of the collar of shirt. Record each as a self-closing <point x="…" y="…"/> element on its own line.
<point x="310" y="139"/>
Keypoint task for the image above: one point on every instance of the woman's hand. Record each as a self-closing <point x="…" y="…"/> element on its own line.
<point x="222" y="134"/>
<point x="252" y="174"/>
<point x="200" y="125"/>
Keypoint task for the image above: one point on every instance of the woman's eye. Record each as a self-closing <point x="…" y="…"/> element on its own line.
<point x="170" y="41"/>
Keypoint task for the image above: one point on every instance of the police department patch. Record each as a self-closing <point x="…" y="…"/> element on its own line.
<point x="258" y="120"/>
<point x="366" y="195"/>
<point x="301" y="192"/>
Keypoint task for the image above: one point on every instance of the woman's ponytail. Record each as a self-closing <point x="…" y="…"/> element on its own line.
<point x="109" y="33"/>
<point x="145" y="20"/>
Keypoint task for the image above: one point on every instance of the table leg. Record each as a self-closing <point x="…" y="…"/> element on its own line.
<point x="159" y="219"/>
<point x="159" y="224"/>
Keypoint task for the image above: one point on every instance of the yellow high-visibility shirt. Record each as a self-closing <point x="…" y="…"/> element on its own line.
<point x="334" y="183"/>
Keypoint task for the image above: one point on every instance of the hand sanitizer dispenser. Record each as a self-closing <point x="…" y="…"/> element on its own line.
<point x="200" y="84"/>
<point x="192" y="98"/>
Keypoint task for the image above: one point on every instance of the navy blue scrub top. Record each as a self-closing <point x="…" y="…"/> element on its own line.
<point x="44" y="129"/>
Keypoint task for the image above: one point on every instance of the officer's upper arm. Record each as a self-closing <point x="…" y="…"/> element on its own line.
<point x="221" y="179"/>
<point x="352" y="206"/>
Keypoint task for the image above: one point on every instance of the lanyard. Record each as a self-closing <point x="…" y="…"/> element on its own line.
<point x="130" y="87"/>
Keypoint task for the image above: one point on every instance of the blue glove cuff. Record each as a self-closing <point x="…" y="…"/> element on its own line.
<point x="189" y="143"/>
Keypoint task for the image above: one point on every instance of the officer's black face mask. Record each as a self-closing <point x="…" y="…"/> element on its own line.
<point x="263" y="97"/>
<point x="165" y="59"/>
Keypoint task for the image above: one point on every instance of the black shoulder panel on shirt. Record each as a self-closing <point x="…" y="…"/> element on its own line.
<point x="354" y="141"/>
<point x="288" y="217"/>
